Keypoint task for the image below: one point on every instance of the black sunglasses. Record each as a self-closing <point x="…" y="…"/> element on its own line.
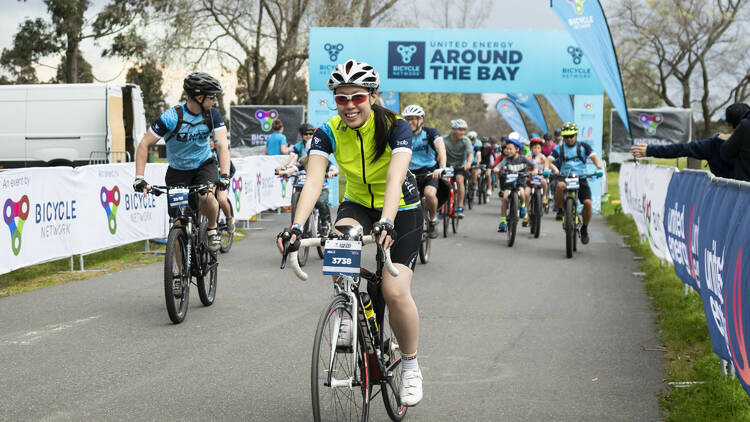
<point x="308" y="134"/>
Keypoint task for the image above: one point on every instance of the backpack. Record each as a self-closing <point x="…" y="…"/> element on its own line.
<point x="207" y="120"/>
<point x="579" y="152"/>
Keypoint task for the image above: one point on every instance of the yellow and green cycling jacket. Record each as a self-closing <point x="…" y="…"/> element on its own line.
<point x="354" y="149"/>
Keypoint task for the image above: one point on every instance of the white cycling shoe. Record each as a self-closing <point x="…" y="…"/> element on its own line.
<point x="411" y="388"/>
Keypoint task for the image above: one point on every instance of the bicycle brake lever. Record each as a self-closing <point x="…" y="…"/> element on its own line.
<point x="285" y="254"/>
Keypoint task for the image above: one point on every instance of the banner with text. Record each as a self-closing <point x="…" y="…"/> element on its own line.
<point x="251" y="125"/>
<point x="653" y="126"/>
<point x="444" y="60"/>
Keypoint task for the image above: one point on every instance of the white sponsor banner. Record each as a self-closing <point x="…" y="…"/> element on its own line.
<point x="643" y="189"/>
<point x="52" y="213"/>
<point x="115" y="214"/>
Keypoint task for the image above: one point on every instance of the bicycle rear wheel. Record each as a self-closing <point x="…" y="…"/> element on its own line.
<point x="391" y="385"/>
<point x="512" y="218"/>
<point x="337" y="403"/>
<point x="176" y="272"/>
<point x="570" y="228"/>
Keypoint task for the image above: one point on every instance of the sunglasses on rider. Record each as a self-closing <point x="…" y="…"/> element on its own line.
<point x="357" y="98"/>
<point x="308" y="134"/>
<point x="568" y="136"/>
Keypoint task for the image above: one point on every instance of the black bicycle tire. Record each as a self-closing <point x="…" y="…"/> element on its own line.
<point x="538" y="214"/>
<point x="512" y="218"/>
<point x="569" y="228"/>
<point x="446" y="216"/>
<point x="336" y="303"/>
<point x="425" y="246"/>
<point x="176" y="314"/>
<point x="389" y="408"/>
<point x="208" y="295"/>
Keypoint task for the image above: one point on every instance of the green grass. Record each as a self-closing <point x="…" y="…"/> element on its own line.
<point x="683" y="331"/>
<point x="58" y="272"/>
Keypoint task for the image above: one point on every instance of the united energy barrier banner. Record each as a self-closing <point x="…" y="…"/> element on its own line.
<point x="643" y="190"/>
<point x="55" y="212"/>
<point x="469" y="61"/>
<point x="251" y="125"/>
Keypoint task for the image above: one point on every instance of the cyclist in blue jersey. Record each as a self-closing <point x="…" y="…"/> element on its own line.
<point x="299" y="150"/>
<point x="187" y="130"/>
<point x="571" y="156"/>
<point x="276" y="143"/>
<point x="427" y="150"/>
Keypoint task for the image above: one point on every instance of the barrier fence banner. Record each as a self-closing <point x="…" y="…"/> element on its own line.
<point x="643" y="189"/>
<point x="57" y="212"/>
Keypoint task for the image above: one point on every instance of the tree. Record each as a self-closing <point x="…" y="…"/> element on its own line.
<point x="440" y="109"/>
<point x="62" y="34"/>
<point x="148" y="76"/>
<point x="684" y="52"/>
<point x="83" y="68"/>
<point x="263" y="42"/>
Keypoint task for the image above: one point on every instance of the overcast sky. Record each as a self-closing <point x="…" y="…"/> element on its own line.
<point x="502" y="14"/>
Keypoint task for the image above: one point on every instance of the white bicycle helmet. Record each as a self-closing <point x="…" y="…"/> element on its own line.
<point x="354" y="73"/>
<point x="459" y="124"/>
<point x="514" y="135"/>
<point x="413" y="110"/>
<point x="472" y="135"/>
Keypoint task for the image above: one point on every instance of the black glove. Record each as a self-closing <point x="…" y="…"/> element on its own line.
<point x="287" y="233"/>
<point x="383" y="226"/>
<point x="223" y="183"/>
<point x="139" y="184"/>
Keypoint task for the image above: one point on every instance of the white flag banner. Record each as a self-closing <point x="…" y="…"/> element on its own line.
<point x="643" y="190"/>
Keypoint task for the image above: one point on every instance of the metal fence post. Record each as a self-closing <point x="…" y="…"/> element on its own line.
<point x="80" y="262"/>
<point x="147" y="247"/>
<point x="70" y="262"/>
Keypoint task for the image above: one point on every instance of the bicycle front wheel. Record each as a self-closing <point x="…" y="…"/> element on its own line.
<point x="176" y="275"/>
<point x="570" y="227"/>
<point x="537" y="213"/>
<point x="425" y="246"/>
<point x="446" y="217"/>
<point x="512" y="218"/>
<point x="332" y="366"/>
<point x="227" y="237"/>
<point x="208" y="281"/>
<point x="391" y="384"/>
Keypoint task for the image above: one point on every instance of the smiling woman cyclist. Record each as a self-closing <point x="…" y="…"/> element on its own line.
<point x="373" y="149"/>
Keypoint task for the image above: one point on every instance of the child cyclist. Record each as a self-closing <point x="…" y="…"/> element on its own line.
<point x="514" y="162"/>
<point x="539" y="157"/>
<point x="372" y="147"/>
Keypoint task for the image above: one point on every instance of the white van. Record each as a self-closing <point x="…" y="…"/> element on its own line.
<point x="69" y="124"/>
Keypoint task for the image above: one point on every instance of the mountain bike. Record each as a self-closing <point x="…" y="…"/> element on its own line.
<point x="344" y="377"/>
<point x="186" y="255"/>
<point x="571" y="220"/>
<point x="448" y="209"/>
<point x="536" y="208"/>
<point x="514" y="181"/>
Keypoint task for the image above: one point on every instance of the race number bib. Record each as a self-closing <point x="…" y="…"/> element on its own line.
<point x="571" y="183"/>
<point x="342" y="257"/>
<point x="178" y="198"/>
<point x="511" y="177"/>
<point x="536" y="180"/>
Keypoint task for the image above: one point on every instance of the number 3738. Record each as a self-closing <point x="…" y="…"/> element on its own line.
<point x="341" y="261"/>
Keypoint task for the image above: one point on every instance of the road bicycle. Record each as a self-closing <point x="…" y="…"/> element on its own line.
<point x="314" y="223"/>
<point x="536" y="208"/>
<point x="448" y="209"/>
<point x="346" y="377"/>
<point x="187" y="256"/>
<point x="571" y="219"/>
<point x="514" y="181"/>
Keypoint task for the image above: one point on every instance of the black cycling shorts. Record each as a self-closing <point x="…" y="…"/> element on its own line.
<point x="459" y="170"/>
<point x="584" y="190"/>
<point x="208" y="172"/>
<point x="408" y="225"/>
<point x="425" y="179"/>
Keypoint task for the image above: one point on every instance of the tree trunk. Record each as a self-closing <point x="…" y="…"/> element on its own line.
<point x="71" y="60"/>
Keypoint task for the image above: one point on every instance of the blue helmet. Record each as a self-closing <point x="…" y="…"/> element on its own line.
<point x="515" y="142"/>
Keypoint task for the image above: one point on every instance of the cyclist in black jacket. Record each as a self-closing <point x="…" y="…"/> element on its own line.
<point x="737" y="147"/>
<point x="707" y="149"/>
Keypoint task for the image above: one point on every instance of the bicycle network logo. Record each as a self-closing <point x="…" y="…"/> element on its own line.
<point x="406" y="59"/>
<point x="237" y="190"/>
<point x="266" y="118"/>
<point x="650" y="122"/>
<point x="284" y="182"/>
<point x="15" y="214"/>
<point x="577" y="6"/>
<point x="588" y="106"/>
<point x="333" y="50"/>
<point x="110" y="199"/>
<point x="575" y="53"/>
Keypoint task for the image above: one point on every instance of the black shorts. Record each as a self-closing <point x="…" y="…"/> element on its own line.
<point x="425" y="179"/>
<point x="408" y="225"/>
<point x="459" y="170"/>
<point x="208" y="172"/>
<point x="584" y="190"/>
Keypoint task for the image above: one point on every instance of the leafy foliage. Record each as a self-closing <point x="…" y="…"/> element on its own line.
<point x="148" y="76"/>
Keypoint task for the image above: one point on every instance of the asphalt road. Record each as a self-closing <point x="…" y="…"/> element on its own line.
<point x="508" y="334"/>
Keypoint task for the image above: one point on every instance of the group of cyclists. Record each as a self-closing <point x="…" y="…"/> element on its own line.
<point x="390" y="163"/>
